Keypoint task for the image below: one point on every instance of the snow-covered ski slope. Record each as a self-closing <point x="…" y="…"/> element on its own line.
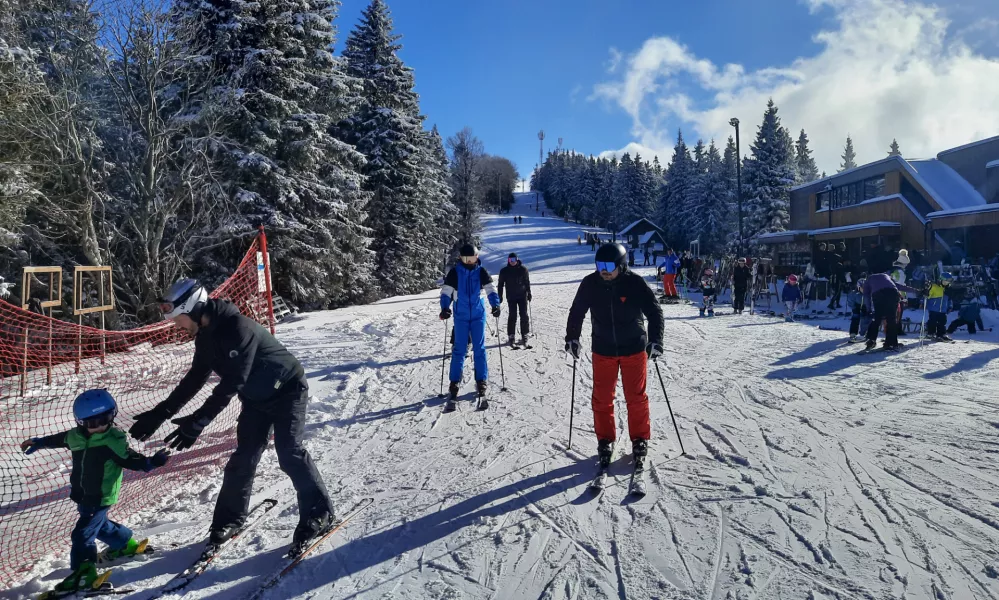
<point x="811" y="472"/>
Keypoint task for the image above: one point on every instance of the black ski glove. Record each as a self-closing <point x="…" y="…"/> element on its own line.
<point x="188" y="430"/>
<point x="496" y="311"/>
<point x="157" y="460"/>
<point x="654" y="350"/>
<point x="572" y="347"/>
<point x="148" y="422"/>
<point x="529" y="296"/>
<point x="445" y="314"/>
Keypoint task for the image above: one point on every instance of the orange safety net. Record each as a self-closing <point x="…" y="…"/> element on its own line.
<point x="45" y="363"/>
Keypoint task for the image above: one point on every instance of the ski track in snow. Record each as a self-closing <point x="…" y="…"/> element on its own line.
<point x="810" y="472"/>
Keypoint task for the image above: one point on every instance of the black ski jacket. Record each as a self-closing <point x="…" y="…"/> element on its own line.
<point x="516" y="280"/>
<point x="741" y="276"/>
<point x="616" y="313"/>
<point x="249" y="361"/>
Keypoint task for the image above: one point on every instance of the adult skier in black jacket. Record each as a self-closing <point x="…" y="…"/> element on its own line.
<point x="515" y="278"/>
<point x="272" y="387"/>
<point x="741" y="276"/>
<point x="619" y="301"/>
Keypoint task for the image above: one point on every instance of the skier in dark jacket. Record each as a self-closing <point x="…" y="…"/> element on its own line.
<point x="881" y="293"/>
<point x="274" y="392"/>
<point x="517" y="281"/>
<point x="100" y="452"/>
<point x="741" y="277"/>
<point x="619" y="301"/>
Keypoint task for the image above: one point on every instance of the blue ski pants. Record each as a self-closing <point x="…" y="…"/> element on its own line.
<point x="94" y="524"/>
<point x="462" y="327"/>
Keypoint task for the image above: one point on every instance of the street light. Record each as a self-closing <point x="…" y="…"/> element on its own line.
<point x="734" y="122"/>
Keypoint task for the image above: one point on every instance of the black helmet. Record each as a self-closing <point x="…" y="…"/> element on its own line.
<point x="468" y="250"/>
<point x="614" y="253"/>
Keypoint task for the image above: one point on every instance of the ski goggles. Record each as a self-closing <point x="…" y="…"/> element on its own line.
<point x="97" y="421"/>
<point x="608" y="266"/>
<point x="511" y="261"/>
<point x="469" y="260"/>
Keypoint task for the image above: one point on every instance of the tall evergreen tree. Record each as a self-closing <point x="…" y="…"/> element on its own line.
<point x="437" y="186"/>
<point x="730" y="175"/>
<point x="769" y="176"/>
<point x="806" y="168"/>
<point x="894" y="149"/>
<point x="711" y="221"/>
<point x="849" y="156"/>
<point x="680" y="175"/>
<point x="388" y="130"/>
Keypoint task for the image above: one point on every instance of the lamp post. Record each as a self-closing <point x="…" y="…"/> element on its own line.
<point x="734" y="122"/>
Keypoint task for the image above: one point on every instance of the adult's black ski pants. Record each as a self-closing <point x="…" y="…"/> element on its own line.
<point x="885" y="309"/>
<point x="286" y="415"/>
<point x="739" y="297"/>
<point x="517" y="305"/>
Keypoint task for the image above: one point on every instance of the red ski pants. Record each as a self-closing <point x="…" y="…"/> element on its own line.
<point x="633" y="369"/>
<point x="669" y="288"/>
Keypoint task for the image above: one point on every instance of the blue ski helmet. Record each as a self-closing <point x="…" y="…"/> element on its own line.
<point x="946" y="278"/>
<point x="95" y="408"/>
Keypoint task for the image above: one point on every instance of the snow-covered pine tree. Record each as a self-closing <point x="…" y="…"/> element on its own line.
<point x="849" y="156"/>
<point x="730" y="176"/>
<point x="712" y="220"/>
<point x="769" y="175"/>
<point x="894" y="149"/>
<point x="806" y="168"/>
<point x="437" y="186"/>
<point x="604" y="208"/>
<point x="284" y="167"/>
<point x="466" y="151"/>
<point x="627" y="189"/>
<point x="680" y="174"/>
<point x="388" y="130"/>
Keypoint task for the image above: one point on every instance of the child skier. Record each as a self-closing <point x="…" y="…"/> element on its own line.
<point x="790" y="296"/>
<point x="709" y="293"/>
<point x="466" y="281"/>
<point x="100" y="451"/>
<point x="970" y="314"/>
<point x="937" y="307"/>
<point x="861" y="317"/>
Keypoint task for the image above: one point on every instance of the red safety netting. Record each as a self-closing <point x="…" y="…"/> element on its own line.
<point x="46" y="363"/>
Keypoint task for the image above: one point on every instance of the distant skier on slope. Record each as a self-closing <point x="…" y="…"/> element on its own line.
<point x="100" y="452"/>
<point x="517" y="281"/>
<point x="274" y="392"/>
<point x="709" y="293"/>
<point x="670" y="266"/>
<point x="617" y="299"/>
<point x="791" y="297"/>
<point x="741" y="277"/>
<point x="467" y="281"/>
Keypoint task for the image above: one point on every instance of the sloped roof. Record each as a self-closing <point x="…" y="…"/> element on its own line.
<point x="645" y="237"/>
<point x="945" y="185"/>
<point x="635" y="224"/>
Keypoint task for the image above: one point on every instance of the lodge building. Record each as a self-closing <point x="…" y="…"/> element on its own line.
<point x="932" y="207"/>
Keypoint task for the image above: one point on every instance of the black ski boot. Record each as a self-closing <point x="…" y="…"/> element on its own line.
<point x="452" y="391"/>
<point x="308" y="530"/>
<point x="480" y="390"/>
<point x="639" y="450"/>
<point x="605" y="452"/>
<point x="870" y="345"/>
<point x="221" y="534"/>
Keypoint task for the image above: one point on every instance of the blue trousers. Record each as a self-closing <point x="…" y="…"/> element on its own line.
<point x="462" y="327"/>
<point x="94" y="524"/>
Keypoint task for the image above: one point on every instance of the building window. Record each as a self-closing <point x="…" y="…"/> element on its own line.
<point x="874" y="187"/>
<point x="821" y="201"/>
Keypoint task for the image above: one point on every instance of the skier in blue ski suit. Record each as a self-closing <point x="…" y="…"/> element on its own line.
<point x="465" y="282"/>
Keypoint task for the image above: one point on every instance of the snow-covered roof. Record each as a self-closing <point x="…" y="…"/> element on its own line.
<point x="846" y="173"/>
<point x="945" y="185"/>
<point x="635" y="224"/>
<point x="992" y="165"/>
<point x="968" y="210"/>
<point x="971" y="145"/>
<point x="912" y="209"/>
<point x="645" y="237"/>
<point x="845" y="228"/>
<point x="780" y="234"/>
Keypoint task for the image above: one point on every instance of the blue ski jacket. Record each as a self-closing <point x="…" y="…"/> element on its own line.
<point x="790" y="293"/>
<point x="671" y="264"/>
<point x="466" y="285"/>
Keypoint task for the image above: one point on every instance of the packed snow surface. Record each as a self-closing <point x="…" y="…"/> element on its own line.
<point x="811" y="472"/>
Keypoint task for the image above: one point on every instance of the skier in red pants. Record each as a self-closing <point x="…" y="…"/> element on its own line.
<point x="619" y="302"/>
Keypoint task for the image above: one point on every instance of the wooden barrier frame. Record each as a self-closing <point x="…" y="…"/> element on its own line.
<point x="55" y="289"/>
<point x="106" y="304"/>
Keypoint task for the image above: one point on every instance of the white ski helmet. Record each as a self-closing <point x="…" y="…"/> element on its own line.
<point x="184" y="297"/>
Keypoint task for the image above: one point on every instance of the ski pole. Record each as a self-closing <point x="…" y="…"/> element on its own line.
<point x="530" y="315"/>
<point x="922" y="323"/>
<point x="499" y="344"/>
<point x="572" y="403"/>
<point x="663" y="386"/>
<point x="443" y="360"/>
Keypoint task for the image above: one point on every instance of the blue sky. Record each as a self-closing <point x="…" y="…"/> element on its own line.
<point x="508" y="69"/>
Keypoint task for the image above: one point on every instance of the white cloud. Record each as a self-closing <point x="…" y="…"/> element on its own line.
<point x="888" y="70"/>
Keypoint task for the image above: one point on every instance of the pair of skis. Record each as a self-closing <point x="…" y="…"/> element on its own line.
<point x="636" y="487"/>
<point x="256" y="515"/>
<point x="101" y="586"/>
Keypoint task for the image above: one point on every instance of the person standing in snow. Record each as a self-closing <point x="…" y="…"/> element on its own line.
<point x="466" y="281"/>
<point x="619" y="302"/>
<point x="882" y="295"/>
<point x="709" y="293"/>
<point x="271" y="385"/>
<point x="790" y="296"/>
<point x="741" y="276"/>
<point x="517" y="281"/>
<point x="860" y="312"/>
<point x="937" y="307"/>
<point x="670" y="266"/>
